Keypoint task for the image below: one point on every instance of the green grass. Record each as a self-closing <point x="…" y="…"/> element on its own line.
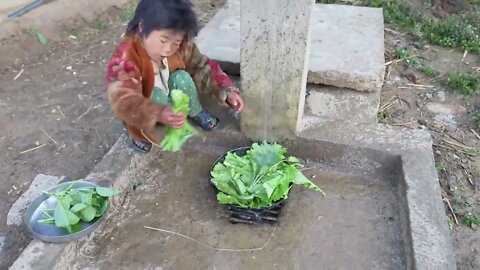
<point x="381" y="117"/>
<point x="101" y="26"/>
<point x="415" y="62"/>
<point x="129" y="11"/>
<point x="457" y="31"/>
<point x="466" y="84"/>
<point x="472" y="220"/>
<point x="440" y="167"/>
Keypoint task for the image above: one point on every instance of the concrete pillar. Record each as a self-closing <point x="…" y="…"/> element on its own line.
<point x="275" y="39"/>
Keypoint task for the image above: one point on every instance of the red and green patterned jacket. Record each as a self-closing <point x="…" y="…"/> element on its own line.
<point x="130" y="79"/>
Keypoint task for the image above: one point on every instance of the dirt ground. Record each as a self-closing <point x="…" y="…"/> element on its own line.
<point x="53" y="98"/>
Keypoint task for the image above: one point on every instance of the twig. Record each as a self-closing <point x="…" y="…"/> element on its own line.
<point x="445" y="199"/>
<point x="393" y="31"/>
<point x="475" y="133"/>
<point x="18" y="75"/>
<point x="85" y="113"/>
<point x="214" y="248"/>
<point x="33" y="149"/>
<point x="61" y="112"/>
<point x="468" y="177"/>
<point x="420" y="85"/>
<point x="49" y="136"/>
<point x="465" y="53"/>
<point x="457" y="144"/>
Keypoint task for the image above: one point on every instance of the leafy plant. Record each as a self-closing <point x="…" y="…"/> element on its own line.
<point x="128" y="12"/>
<point x="381" y="117"/>
<point x="440" y="167"/>
<point x="75" y="204"/>
<point x="472" y="220"/>
<point x="41" y="38"/>
<point x="467" y="84"/>
<point x="176" y="137"/>
<point x="258" y="179"/>
<point x="415" y="62"/>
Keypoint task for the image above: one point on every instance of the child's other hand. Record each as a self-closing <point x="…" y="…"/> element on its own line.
<point x="235" y="101"/>
<point x="171" y="119"/>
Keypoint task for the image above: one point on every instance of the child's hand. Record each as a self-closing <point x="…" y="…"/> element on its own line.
<point x="171" y="119"/>
<point x="235" y="101"/>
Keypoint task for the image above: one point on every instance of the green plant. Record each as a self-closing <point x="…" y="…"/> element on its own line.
<point x="258" y="179"/>
<point x="428" y="70"/>
<point x="41" y="38"/>
<point x="440" y="167"/>
<point x="472" y="220"/>
<point x="467" y="84"/>
<point x="100" y="26"/>
<point x="128" y="12"/>
<point x="75" y="204"/>
<point x="176" y="137"/>
<point x="381" y="117"/>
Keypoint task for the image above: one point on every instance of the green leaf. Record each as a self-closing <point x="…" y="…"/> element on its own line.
<point x="61" y="217"/>
<point x="74" y="228"/>
<point x="300" y="179"/>
<point x="106" y="192"/>
<point x="72" y="218"/>
<point x="88" y="214"/>
<point x="41" y="38"/>
<point x="176" y="137"/>
<point x="103" y="207"/>
<point x="66" y="201"/>
<point x="78" y="207"/>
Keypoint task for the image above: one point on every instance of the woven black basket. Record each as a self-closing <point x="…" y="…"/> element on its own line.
<point x="267" y="214"/>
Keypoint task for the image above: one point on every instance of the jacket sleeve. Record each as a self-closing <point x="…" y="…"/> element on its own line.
<point x="207" y="74"/>
<point x="123" y="81"/>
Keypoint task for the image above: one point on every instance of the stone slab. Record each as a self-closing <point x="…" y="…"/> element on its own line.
<point x="277" y="33"/>
<point x="347" y="48"/>
<point x="328" y="104"/>
<point x="38" y="185"/>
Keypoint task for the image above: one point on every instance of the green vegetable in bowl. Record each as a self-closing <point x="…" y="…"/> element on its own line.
<point x="73" y="205"/>
<point x="260" y="178"/>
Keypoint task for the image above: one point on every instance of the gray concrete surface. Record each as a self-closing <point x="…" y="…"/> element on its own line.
<point x="277" y="33"/>
<point x="327" y="104"/>
<point x="429" y="245"/>
<point x="403" y="156"/>
<point x="346" y="50"/>
<point x="39" y="184"/>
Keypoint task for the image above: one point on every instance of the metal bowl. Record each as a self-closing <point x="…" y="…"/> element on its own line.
<point x="49" y="232"/>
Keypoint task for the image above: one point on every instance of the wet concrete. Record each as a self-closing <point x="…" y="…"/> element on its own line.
<point x="356" y="226"/>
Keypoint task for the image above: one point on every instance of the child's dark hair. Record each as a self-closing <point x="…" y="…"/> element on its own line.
<point x="163" y="14"/>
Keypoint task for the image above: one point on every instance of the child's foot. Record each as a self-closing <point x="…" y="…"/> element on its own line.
<point x="141" y="146"/>
<point x="206" y="120"/>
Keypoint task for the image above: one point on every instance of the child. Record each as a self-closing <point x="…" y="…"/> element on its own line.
<point x="156" y="56"/>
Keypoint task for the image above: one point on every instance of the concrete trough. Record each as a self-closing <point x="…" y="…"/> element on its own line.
<point x="383" y="209"/>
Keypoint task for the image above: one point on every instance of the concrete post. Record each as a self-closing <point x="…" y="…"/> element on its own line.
<point x="275" y="39"/>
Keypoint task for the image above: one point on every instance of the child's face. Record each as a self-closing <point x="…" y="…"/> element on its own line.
<point x="162" y="43"/>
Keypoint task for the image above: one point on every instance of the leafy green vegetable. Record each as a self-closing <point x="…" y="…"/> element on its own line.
<point x="176" y="137"/>
<point x="260" y="178"/>
<point x="74" y="205"/>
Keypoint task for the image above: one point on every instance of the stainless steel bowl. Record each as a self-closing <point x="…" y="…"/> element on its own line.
<point x="49" y="232"/>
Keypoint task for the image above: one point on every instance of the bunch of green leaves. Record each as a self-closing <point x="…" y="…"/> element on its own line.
<point x="258" y="179"/>
<point x="472" y="220"/>
<point x="75" y="204"/>
<point x="176" y="137"/>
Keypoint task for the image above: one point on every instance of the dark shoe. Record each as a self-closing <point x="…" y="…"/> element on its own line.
<point x="141" y="146"/>
<point x="205" y="120"/>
